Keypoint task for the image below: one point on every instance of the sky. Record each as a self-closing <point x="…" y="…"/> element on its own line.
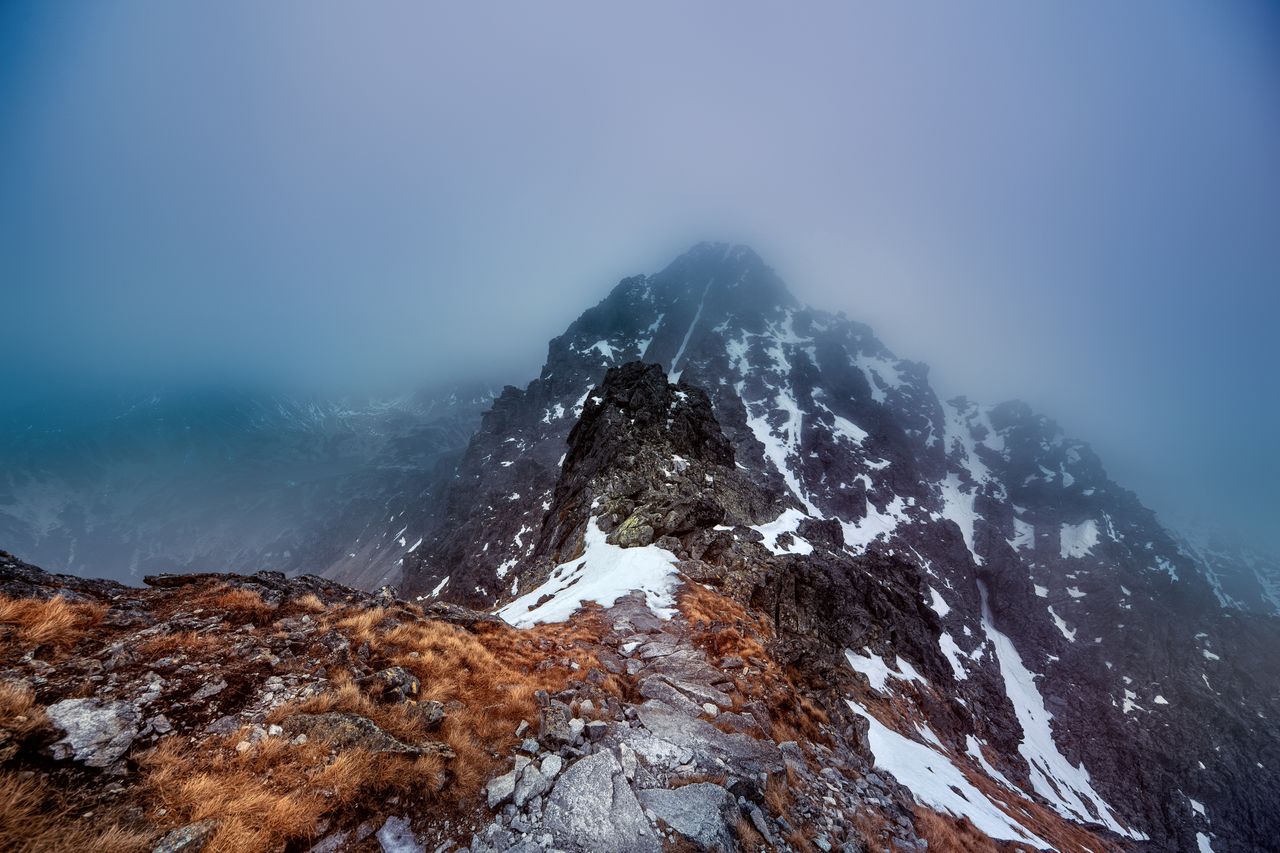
<point x="1076" y="204"/>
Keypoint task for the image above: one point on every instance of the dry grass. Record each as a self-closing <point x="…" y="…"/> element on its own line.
<point x="361" y="624"/>
<point x="234" y="603"/>
<point x="56" y="622"/>
<point x="723" y="628"/>
<point x="952" y="834"/>
<point x="777" y="793"/>
<point x="748" y="838"/>
<point x="276" y="794"/>
<point x="32" y="821"/>
<point x="187" y="643"/>
<point x="277" y="791"/>
<point x="1064" y="835"/>
<point x="20" y="717"/>
<point x="720" y="779"/>
<point x="309" y="603"/>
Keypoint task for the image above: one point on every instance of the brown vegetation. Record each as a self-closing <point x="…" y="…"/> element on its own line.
<point x="955" y="834"/>
<point x="236" y="604"/>
<point x="276" y="792"/>
<point x="33" y="820"/>
<point x="54" y="622"/>
<point x="20" y="717"/>
<point x="723" y="628"/>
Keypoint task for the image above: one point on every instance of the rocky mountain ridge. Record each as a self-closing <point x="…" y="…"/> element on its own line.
<point x="1036" y="566"/>
<point x="711" y="712"/>
<point x="751" y="578"/>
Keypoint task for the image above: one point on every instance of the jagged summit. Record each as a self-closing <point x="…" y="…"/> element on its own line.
<point x="1017" y="560"/>
<point x="649" y="460"/>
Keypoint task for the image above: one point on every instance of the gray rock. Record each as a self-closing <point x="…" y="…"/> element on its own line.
<point x="501" y="788"/>
<point x="669" y="739"/>
<point x="593" y="810"/>
<point x="396" y="836"/>
<point x="191" y="838"/>
<point x="657" y="687"/>
<point x="210" y="690"/>
<point x="97" y="733"/>
<point x="352" y="731"/>
<point x="334" y="842"/>
<point x="553" y="726"/>
<point x="596" y="730"/>
<point x="551" y="766"/>
<point x="628" y="756"/>
<point x="224" y="725"/>
<point x="703" y="812"/>
<point x="701" y="693"/>
<point x="530" y="784"/>
<point x="761" y="825"/>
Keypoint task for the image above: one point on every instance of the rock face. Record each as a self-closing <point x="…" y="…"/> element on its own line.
<point x="702" y="812"/>
<point x="857" y="510"/>
<point x="97" y="733"/>
<point x="593" y="808"/>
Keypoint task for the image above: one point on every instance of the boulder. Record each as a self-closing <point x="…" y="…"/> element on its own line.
<point x="393" y="684"/>
<point x="703" y="812"/>
<point x="592" y="809"/>
<point x="530" y="784"/>
<point x="553" y="726"/>
<point x="396" y="836"/>
<point x="97" y="733"/>
<point x="351" y="731"/>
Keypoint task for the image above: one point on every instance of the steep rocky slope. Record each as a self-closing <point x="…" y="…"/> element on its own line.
<point x="702" y="703"/>
<point x="1057" y="629"/>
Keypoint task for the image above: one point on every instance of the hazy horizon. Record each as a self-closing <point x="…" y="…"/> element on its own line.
<point x="1078" y="207"/>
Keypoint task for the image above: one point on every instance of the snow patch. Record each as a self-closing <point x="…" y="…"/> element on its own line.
<point x="603" y="574"/>
<point x="878" y="672"/>
<point x="1062" y="626"/>
<point x="1067" y="787"/>
<point x="934" y="780"/>
<point x="1077" y="540"/>
<point x="877" y="523"/>
<point x="788" y="522"/>
<point x="1024" y="536"/>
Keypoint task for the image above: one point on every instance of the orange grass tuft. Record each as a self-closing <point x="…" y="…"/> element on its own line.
<point x="54" y="622"/>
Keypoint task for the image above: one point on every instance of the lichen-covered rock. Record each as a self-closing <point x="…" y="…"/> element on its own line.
<point x="351" y="731"/>
<point x="97" y="733"/>
<point x="192" y="838"/>
<point x="393" y="684"/>
<point x="702" y="812"/>
<point x="592" y="809"/>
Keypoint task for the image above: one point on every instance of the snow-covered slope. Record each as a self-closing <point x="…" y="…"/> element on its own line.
<point x="1079" y="647"/>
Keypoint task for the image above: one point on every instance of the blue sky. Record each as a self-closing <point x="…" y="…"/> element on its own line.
<point x="1077" y="204"/>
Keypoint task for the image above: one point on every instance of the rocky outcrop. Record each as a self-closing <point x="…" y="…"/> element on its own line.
<point x="864" y="511"/>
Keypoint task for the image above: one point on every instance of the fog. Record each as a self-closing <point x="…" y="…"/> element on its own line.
<point x="1078" y="204"/>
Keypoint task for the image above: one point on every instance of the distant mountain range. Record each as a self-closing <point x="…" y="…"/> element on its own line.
<point x="221" y="480"/>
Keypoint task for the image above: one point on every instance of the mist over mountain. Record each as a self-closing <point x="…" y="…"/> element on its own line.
<point x="677" y="427"/>
<point x="746" y="511"/>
